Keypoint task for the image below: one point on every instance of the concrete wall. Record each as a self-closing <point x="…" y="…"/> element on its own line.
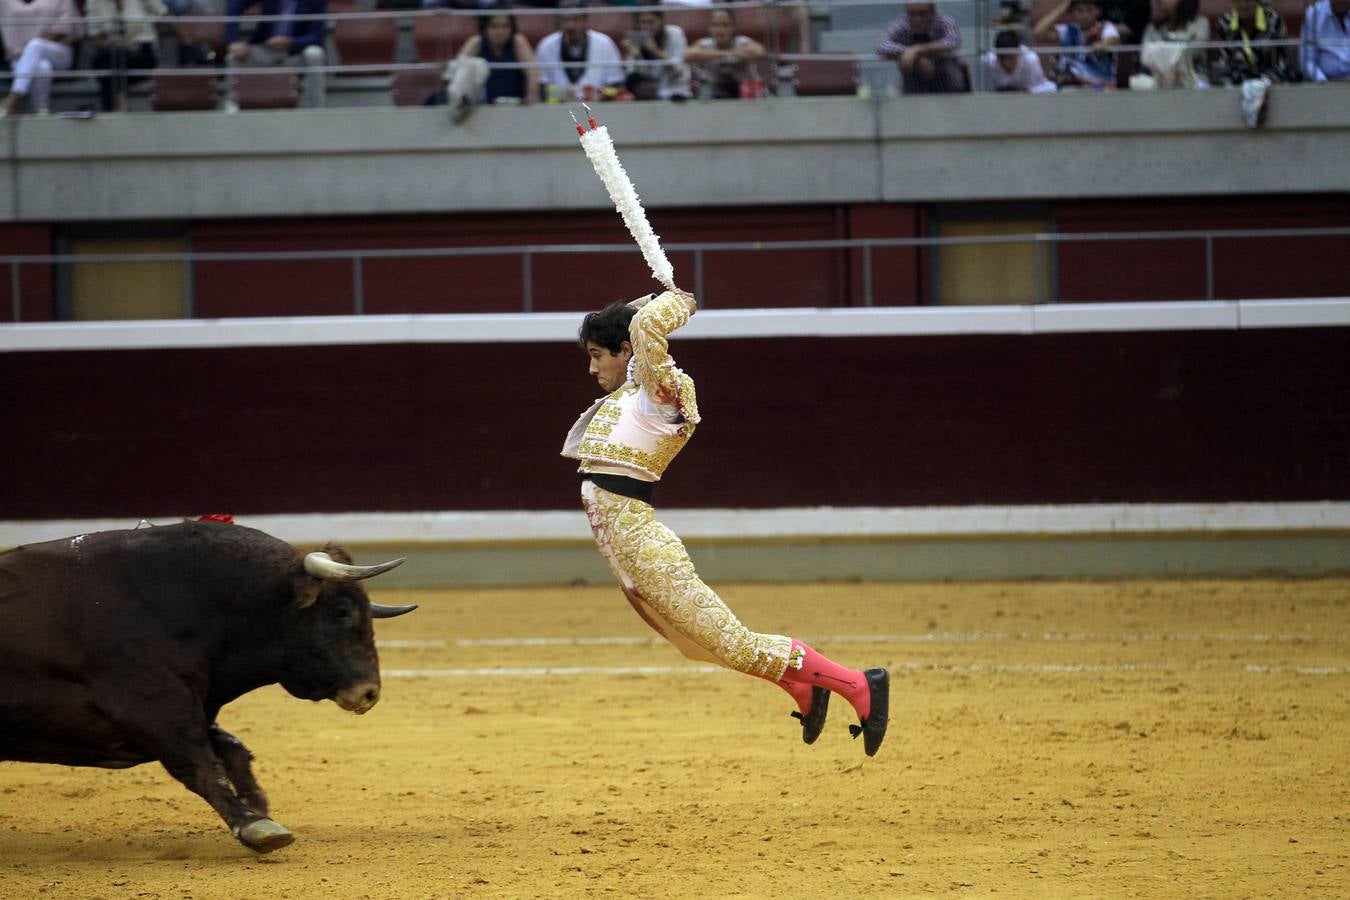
<point x="814" y="150"/>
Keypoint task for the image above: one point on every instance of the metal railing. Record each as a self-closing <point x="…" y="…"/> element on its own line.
<point x="1044" y="263"/>
<point x="971" y="52"/>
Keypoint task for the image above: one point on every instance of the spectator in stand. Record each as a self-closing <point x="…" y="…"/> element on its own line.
<point x="38" y="38"/>
<point x="577" y="62"/>
<point x="1165" y="51"/>
<point x="473" y="81"/>
<point x="1016" y="68"/>
<point x="1084" y="60"/>
<point x="1248" y="22"/>
<point x="1130" y="17"/>
<point x="287" y="42"/>
<point x="925" y="42"/>
<point x="656" y="50"/>
<point x="725" y="59"/>
<point x="121" y="45"/>
<point x="1326" y="20"/>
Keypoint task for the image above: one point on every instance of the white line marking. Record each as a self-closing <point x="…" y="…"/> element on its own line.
<point x="926" y="638"/>
<point x="975" y="668"/>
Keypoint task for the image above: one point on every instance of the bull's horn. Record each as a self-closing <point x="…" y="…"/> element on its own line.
<point x="380" y="611"/>
<point x="321" y="565"/>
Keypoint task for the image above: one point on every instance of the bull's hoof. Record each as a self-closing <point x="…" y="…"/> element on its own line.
<point x="264" y="835"/>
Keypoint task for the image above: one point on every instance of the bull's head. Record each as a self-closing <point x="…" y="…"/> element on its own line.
<point x="331" y="653"/>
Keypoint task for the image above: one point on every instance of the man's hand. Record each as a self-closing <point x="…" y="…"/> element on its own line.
<point x="238" y="50"/>
<point x="279" y="43"/>
<point x="689" y="302"/>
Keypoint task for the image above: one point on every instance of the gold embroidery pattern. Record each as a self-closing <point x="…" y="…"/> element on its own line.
<point x="650" y="562"/>
<point x="653" y="367"/>
<point x="653" y="463"/>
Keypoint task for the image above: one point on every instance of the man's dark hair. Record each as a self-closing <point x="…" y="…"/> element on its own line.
<point x="608" y="327"/>
<point x="1006" y="40"/>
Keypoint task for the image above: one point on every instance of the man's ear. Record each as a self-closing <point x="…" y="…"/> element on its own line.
<point x="625" y="347"/>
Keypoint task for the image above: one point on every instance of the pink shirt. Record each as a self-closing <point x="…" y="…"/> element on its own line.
<point x="21" y="22"/>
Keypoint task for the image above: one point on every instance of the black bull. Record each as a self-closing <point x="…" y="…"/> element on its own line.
<point x="121" y="647"/>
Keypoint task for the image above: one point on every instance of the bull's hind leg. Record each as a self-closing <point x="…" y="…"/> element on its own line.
<point x="237" y="761"/>
<point x="169" y="725"/>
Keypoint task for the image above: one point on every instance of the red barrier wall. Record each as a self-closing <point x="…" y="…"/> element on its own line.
<point x="884" y="421"/>
<point x="36" y="293"/>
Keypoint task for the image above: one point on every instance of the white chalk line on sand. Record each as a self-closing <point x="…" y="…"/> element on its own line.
<point x="956" y="668"/>
<point x="959" y="637"/>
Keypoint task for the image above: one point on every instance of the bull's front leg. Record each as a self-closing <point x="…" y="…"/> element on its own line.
<point x="202" y="772"/>
<point x="237" y="761"/>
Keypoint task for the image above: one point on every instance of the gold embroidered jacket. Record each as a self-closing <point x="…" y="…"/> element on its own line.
<point x="638" y="429"/>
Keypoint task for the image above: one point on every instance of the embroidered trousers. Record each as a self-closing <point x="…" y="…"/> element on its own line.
<point x="659" y="580"/>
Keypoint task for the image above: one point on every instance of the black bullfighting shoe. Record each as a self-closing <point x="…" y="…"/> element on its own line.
<point x="873" y="728"/>
<point x="814" y="720"/>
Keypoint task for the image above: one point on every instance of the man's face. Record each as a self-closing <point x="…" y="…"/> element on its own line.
<point x="573" y="27"/>
<point x="609" y="369"/>
<point x="1084" y="14"/>
<point x="1008" y="61"/>
<point x="1246" y="9"/>
<point x="920" y="16"/>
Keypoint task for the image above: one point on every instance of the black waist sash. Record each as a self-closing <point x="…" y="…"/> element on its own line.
<point x="622" y="485"/>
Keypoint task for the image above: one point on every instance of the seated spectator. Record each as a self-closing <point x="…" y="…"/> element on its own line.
<point x="473" y="81"/>
<point x="121" y="45"/>
<point x="725" y="59"/>
<point x="1326" y="20"/>
<point x="39" y="37"/>
<point x="288" y="42"/>
<point x="1130" y="17"/>
<point x="1017" y="68"/>
<point x="924" y="42"/>
<point x="1165" y="52"/>
<point x="1250" y="21"/>
<point x="576" y="62"/>
<point x="1084" y="60"/>
<point x="656" y="50"/>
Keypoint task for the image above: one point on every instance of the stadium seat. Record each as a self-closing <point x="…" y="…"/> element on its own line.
<point x="781" y="28"/>
<point x="412" y="87"/>
<point x="364" y="42"/>
<point x="825" y="77"/>
<point x="615" y="24"/>
<point x="694" y="22"/>
<point x="266" y="90"/>
<point x="535" y="25"/>
<point x="190" y="31"/>
<point x="439" y="37"/>
<point x="172" y="92"/>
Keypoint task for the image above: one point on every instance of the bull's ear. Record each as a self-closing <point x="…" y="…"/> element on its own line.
<point x="305" y="586"/>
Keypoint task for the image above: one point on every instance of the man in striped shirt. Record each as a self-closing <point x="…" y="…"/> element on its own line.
<point x="924" y="42"/>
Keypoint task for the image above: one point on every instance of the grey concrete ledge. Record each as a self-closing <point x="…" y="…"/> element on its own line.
<point x="788" y="151"/>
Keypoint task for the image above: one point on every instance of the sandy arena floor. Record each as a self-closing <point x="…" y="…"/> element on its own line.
<point x="1153" y="739"/>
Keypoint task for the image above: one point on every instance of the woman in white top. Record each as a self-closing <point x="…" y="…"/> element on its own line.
<point x="38" y="40"/>
<point x="656" y="50"/>
<point x="1164" y="52"/>
<point x="121" y="45"/>
<point x="724" y="57"/>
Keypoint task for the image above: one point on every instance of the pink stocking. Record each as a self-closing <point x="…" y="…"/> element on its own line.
<point x="819" y="671"/>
